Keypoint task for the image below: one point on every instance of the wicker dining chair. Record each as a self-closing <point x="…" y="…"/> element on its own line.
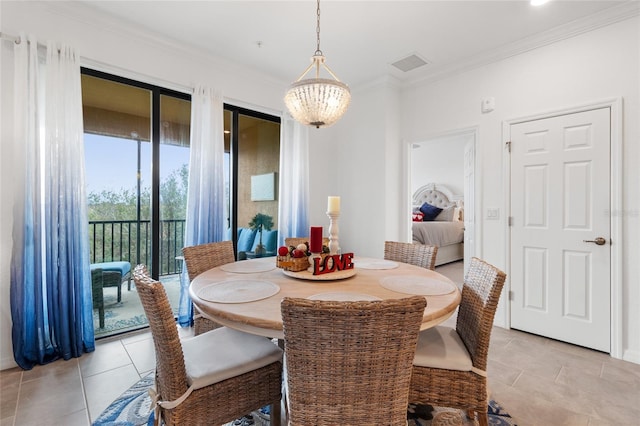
<point x="349" y="361"/>
<point x="450" y="366"/>
<point x="415" y="254"/>
<point x="212" y="378"/>
<point x="201" y="258"/>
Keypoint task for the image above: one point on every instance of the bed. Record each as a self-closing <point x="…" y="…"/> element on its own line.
<point x="444" y="229"/>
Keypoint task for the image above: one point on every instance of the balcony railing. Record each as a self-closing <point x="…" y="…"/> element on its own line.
<point x="130" y="240"/>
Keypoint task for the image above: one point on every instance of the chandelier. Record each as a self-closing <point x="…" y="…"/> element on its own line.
<point x="318" y="102"/>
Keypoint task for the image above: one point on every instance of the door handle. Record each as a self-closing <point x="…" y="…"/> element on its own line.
<point x="599" y="241"/>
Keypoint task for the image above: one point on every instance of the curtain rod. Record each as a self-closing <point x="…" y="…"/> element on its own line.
<point x="8" y="37"/>
<point x="103" y="67"/>
<point x="18" y="40"/>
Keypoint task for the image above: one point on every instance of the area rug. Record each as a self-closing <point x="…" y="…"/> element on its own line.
<point x="133" y="408"/>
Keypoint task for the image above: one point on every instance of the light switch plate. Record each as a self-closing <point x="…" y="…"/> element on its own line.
<point x="492" y="214"/>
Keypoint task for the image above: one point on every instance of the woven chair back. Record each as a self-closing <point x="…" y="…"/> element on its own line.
<point x="171" y="375"/>
<point x="206" y="256"/>
<point x="480" y="294"/>
<point x="349" y="361"/>
<point x="414" y="254"/>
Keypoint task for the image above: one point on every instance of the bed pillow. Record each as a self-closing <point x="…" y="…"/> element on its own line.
<point x="446" y="215"/>
<point x="417" y="216"/>
<point x="457" y="214"/>
<point x="430" y="212"/>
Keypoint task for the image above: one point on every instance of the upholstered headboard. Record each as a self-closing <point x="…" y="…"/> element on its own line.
<point x="436" y="195"/>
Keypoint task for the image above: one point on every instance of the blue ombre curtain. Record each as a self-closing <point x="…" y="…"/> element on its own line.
<point x="205" y="200"/>
<point x="50" y="293"/>
<point x="293" y="209"/>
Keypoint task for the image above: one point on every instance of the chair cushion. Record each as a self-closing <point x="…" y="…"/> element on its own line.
<point x="223" y="353"/>
<point x="245" y="239"/>
<point x="441" y="347"/>
<point x="122" y="267"/>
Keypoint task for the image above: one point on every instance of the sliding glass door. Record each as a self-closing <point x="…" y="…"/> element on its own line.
<point x="136" y="157"/>
<point x="252" y="145"/>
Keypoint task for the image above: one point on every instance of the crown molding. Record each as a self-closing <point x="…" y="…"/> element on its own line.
<point x="388" y="81"/>
<point x="622" y="12"/>
<point x="86" y="15"/>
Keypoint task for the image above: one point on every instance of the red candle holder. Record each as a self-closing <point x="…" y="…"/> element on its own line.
<point x="315" y="239"/>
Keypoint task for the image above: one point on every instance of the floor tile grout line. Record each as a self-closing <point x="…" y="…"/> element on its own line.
<point x="555" y="379"/>
<point x="15" y="412"/>
<point x="84" y="394"/>
<point x="517" y="378"/>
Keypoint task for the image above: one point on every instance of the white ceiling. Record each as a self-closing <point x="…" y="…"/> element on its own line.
<point x="360" y="39"/>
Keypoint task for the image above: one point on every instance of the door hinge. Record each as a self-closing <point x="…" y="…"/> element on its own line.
<point x="510" y="221"/>
<point x="511" y="295"/>
<point x="508" y="144"/>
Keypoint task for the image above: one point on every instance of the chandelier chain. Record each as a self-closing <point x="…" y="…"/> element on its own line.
<point x="318" y="51"/>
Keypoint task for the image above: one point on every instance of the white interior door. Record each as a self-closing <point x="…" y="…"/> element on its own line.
<point x="560" y="232"/>
<point x="469" y="203"/>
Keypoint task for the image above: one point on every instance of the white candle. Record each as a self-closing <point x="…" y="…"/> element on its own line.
<point x="333" y="205"/>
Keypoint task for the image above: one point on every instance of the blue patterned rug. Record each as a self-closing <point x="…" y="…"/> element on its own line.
<point x="133" y="408"/>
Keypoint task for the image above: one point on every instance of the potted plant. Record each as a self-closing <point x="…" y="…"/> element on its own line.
<point x="259" y="222"/>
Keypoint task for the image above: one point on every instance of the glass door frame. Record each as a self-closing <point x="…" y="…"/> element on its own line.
<point x="236" y="111"/>
<point x="156" y="93"/>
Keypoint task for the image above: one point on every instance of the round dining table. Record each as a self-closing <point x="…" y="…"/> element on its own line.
<point x="246" y="295"/>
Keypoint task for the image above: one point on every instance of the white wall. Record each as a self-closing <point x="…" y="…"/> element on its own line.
<point x="591" y="67"/>
<point x="357" y="159"/>
<point x="109" y="47"/>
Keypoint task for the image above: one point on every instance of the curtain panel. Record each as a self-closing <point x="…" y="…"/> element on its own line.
<point x="205" y="199"/>
<point x="293" y="211"/>
<point x="50" y="292"/>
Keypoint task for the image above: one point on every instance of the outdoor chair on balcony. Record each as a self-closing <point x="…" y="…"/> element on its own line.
<point x="97" y="295"/>
<point x="114" y="274"/>
<point x="107" y="274"/>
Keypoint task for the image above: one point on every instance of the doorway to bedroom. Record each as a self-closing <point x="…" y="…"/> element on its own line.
<point x="442" y="174"/>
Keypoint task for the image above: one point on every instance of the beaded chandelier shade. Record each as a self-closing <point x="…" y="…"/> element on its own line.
<point x="318" y="102"/>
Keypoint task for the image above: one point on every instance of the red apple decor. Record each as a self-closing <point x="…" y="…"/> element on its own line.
<point x="295" y="258"/>
<point x="283" y="251"/>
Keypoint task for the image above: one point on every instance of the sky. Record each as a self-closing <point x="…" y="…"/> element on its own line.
<point x="111" y="163"/>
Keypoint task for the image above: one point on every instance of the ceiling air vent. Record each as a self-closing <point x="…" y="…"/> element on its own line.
<point x="409" y="63"/>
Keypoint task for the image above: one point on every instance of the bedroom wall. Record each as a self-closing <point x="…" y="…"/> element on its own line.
<point x="598" y="65"/>
<point x="111" y="47"/>
<point x="439" y="160"/>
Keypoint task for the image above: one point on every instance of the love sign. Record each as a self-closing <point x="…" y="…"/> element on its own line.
<point x="333" y="263"/>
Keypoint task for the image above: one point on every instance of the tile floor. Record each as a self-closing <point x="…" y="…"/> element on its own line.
<point x="539" y="381"/>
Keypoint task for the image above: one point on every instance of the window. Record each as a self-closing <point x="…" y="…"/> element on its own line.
<point x="252" y="145"/>
<point x="136" y="161"/>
